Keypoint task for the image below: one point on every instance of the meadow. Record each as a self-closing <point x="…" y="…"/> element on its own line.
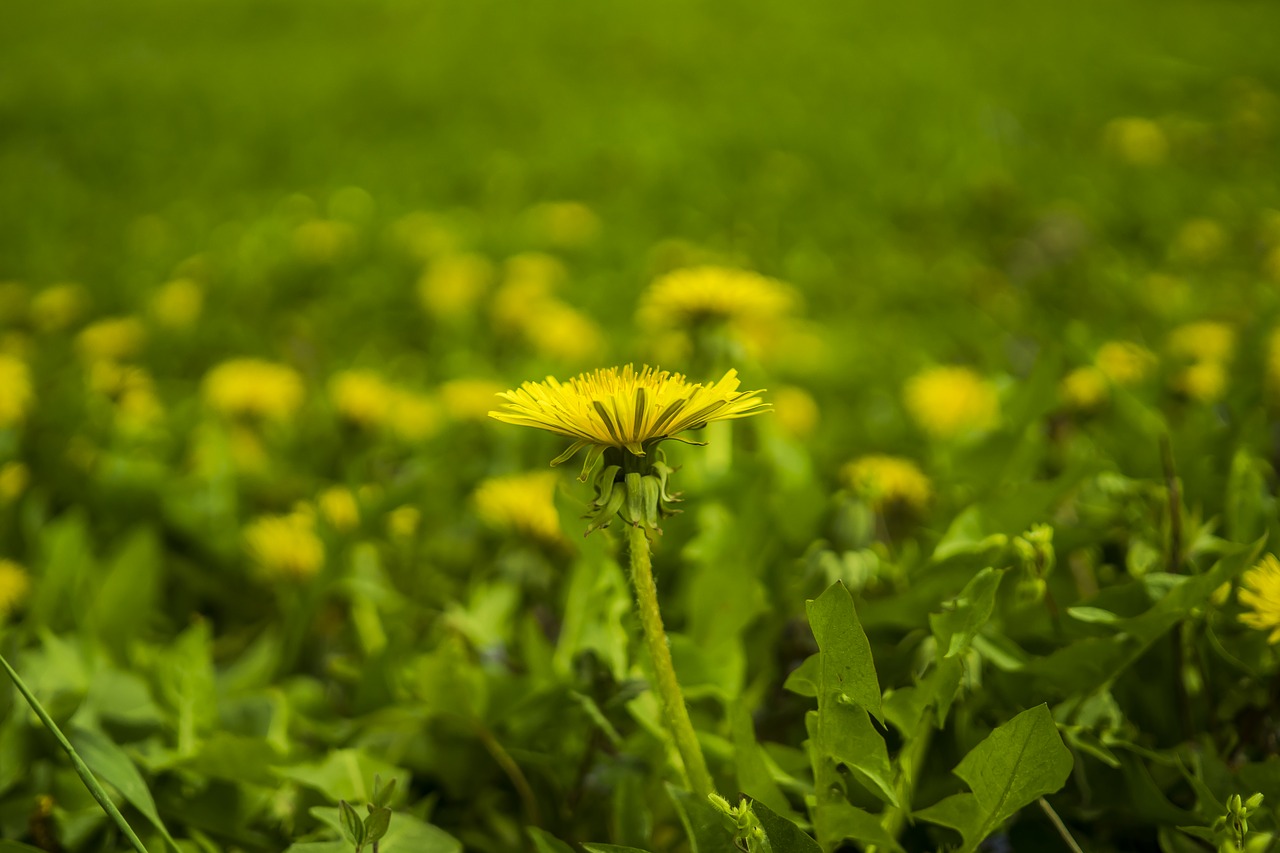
<point x="944" y="521"/>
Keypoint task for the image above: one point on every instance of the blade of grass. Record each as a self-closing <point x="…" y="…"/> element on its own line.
<point x="86" y="775"/>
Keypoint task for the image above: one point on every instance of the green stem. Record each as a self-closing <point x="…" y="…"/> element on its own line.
<point x="911" y="760"/>
<point x="86" y="775"/>
<point x="664" y="670"/>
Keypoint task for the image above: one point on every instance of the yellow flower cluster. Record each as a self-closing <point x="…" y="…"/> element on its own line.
<point x="521" y="502"/>
<point x="1117" y="363"/>
<point x="1207" y="347"/>
<point x="16" y="392"/>
<point x="947" y="402"/>
<point x="1198" y="241"/>
<point x="886" y="481"/>
<point x="285" y="547"/>
<point x="250" y="387"/>
<point x="15" y="586"/>
<point x="131" y="389"/>
<point x="367" y="400"/>
<point x="1260" y="594"/>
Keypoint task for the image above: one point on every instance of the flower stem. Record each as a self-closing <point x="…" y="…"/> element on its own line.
<point x="664" y="670"/>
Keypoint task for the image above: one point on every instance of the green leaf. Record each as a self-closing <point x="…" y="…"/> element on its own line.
<point x="110" y="764"/>
<point x="66" y="574"/>
<point x="847" y="669"/>
<point x="545" y="842"/>
<point x="611" y="848"/>
<point x="836" y="821"/>
<point x="377" y="823"/>
<point x="1018" y="762"/>
<point x="804" y="679"/>
<point x="754" y="778"/>
<point x="784" y="835"/>
<point x="844" y="734"/>
<point x="352" y="826"/>
<point x="406" y="834"/>
<point x="127" y="595"/>
<point x="965" y="615"/>
<point x="344" y="774"/>
<point x="707" y="828"/>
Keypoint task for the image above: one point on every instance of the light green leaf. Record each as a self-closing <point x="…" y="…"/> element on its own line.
<point x="844" y="734"/>
<point x="804" y="679"/>
<point x="110" y="764"/>
<point x="345" y="774"/>
<point x="836" y="821"/>
<point x="847" y="670"/>
<point x="1018" y="762"/>
<point x="127" y="595"/>
<point x="965" y="615"/>
<point x="754" y="778"/>
<point x="545" y="842"/>
<point x="406" y="834"/>
<point x="784" y="835"/>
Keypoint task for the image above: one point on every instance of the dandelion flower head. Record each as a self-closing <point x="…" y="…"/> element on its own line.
<point x="177" y="305"/>
<point x="624" y="407"/>
<point x="686" y="297"/>
<point x="1124" y="362"/>
<point x="1137" y="141"/>
<point x="285" y="546"/>
<point x="112" y="339"/>
<point x="796" y="411"/>
<point x="338" y="507"/>
<point x="1260" y="594"/>
<point x="362" y="397"/>
<point x="15" y="585"/>
<point x="887" y="480"/>
<point x="14" y="478"/>
<point x="16" y="392"/>
<point x="57" y="307"/>
<point x="521" y="502"/>
<point x="246" y="386"/>
<point x="1084" y="388"/>
<point x="948" y="401"/>
<point x="1203" y="340"/>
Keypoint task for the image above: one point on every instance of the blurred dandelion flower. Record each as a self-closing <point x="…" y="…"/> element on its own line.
<point x="795" y="411"/>
<point x="361" y="397"/>
<point x="413" y="416"/>
<point x="1204" y="340"/>
<point x="1124" y="362"/>
<point x="246" y="386"/>
<point x="1136" y="141"/>
<point x="884" y="481"/>
<point x="1260" y="594"/>
<point x="686" y="297"/>
<point x="112" y="339"/>
<point x="403" y="521"/>
<point x="323" y="241"/>
<point x="1084" y="388"/>
<point x="948" y="401"/>
<point x="57" y="307"/>
<point x="15" y="585"/>
<point x="338" y="507"/>
<point x="16" y="392"/>
<point x="285" y="546"/>
<point x="625" y="408"/>
<point x="468" y="399"/>
<point x="177" y="305"/>
<point x="14" y="478"/>
<point x="556" y="330"/>
<point x="452" y="285"/>
<point x="1204" y="381"/>
<point x="521" y="502"/>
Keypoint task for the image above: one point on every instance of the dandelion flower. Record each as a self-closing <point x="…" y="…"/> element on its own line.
<point x="559" y="331"/>
<point x="339" y="508"/>
<point x="361" y="397"/>
<point x="796" y="412"/>
<point x="113" y="339"/>
<point x="1124" y="362"/>
<point x="55" y="308"/>
<point x="885" y="481"/>
<point x="323" y="241"/>
<point x="413" y="417"/>
<point x="1137" y="141"/>
<point x="521" y="502"/>
<point x="452" y="285"/>
<point x="1204" y="381"/>
<point x="1260" y="594"/>
<point x="625" y="408"/>
<point x="687" y="297"/>
<point x="15" y="585"/>
<point x="403" y="521"/>
<point x="14" y="477"/>
<point x="1084" y="388"/>
<point x="16" y="392"/>
<point x="1204" y="340"/>
<point x="246" y="386"/>
<point x="285" y="546"/>
<point x="177" y="305"/>
<point x="949" y="401"/>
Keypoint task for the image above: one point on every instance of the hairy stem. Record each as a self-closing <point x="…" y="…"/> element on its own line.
<point x="664" y="670"/>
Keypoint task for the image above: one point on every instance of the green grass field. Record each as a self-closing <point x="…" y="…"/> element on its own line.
<point x="993" y="574"/>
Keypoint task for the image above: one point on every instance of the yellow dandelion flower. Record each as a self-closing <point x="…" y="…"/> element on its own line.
<point x="521" y="502"/>
<point x="1124" y="362"/>
<point x="339" y="508"/>
<point x="14" y="477"/>
<point x="625" y="408"/>
<point x="323" y="241"/>
<point x="246" y="386"/>
<point x="1260" y="594"/>
<point x="13" y="302"/>
<point x="1198" y="241"/>
<point x="413" y="417"/>
<point x="888" y="480"/>
<point x="686" y="297"/>
<point x="948" y="401"/>
<point x="1136" y="141"/>
<point x="452" y="285"/>
<point x="362" y="397"/>
<point x="468" y="399"/>
<point x="55" y="308"/>
<point x="113" y="339"/>
<point x="16" y="392"/>
<point x="403" y="521"/>
<point x="1204" y="340"/>
<point x="285" y="546"/>
<point x="1204" y="381"/>
<point x="795" y="411"/>
<point x="177" y="305"/>
<point x="564" y="223"/>
<point x="15" y="585"/>
<point x="1084" y="388"/>
<point x="556" y="330"/>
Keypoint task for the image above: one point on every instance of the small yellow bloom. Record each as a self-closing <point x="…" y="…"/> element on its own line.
<point x="1204" y="340"/>
<point x="15" y="585"/>
<point x="888" y="480"/>
<point x="1136" y="141"/>
<point x="14" y="477"/>
<point x="323" y="241"/>
<point x="452" y="285"/>
<point x="1124" y="362"/>
<point x="948" y="401"/>
<point x="177" y="305"/>
<point x="1198" y="241"/>
<point x="246" y="386"/>
<point x="362" y="397"/>
<point x="687" y="297"/>
<point x="1085" y="388"/>
<point x="468" y="399"/>
<point x="413" y="417"/>
<point x="285" y="546"/>
<point x="403" y="521"/>
<point x="564" y="223"/>
<point x="1204" y="381"/>
<point x="521" y="502"/>
<point x="16" y="392"/>
<point x="339" y="508"/>
<point x="1260" y="594"/>
<point x="625" y="408"/>
<point x="558" y="331"/>
<point x="113" y="339"/>
<point x="795" y="411"/>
